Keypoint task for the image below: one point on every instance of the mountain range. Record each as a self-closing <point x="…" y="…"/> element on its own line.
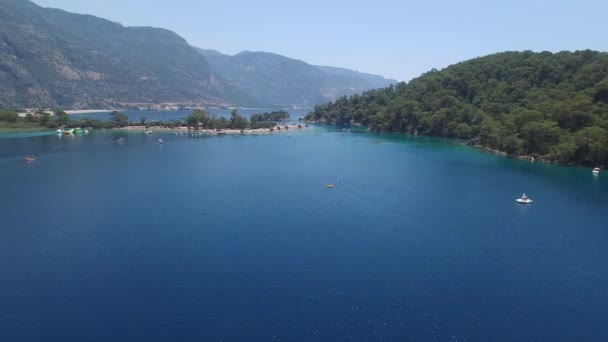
<point x="53" y="58"/>
<point x="281" y="81"/>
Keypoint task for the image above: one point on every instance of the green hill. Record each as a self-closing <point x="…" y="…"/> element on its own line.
<point x="51" y="58"/>
<point x="550" y="106"/>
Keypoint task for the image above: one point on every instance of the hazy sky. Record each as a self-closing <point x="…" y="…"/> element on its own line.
<point x="396" y="39"/>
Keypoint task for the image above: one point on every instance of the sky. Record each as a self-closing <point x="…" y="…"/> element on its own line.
<point x="395" y="39"/>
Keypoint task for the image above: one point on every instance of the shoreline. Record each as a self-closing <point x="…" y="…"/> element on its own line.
<point x="226" y="131"/>
<point x="72" y="111"/>
<point x="24" y="130"/>
<point x="87" y="111"/>
<point x="482" y="148"/>
<point x="181" y="130"/>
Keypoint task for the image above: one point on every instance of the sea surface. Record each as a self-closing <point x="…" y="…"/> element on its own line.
<point x="238" y="238"/>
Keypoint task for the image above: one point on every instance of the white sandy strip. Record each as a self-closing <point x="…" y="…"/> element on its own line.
<point x="284" y="128"/>
<point x="87" y="111"/>
<point x="77" y="111"/>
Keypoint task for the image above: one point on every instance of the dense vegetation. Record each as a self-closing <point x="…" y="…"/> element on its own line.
<point x="199" y="119"/>
<point x="550" y="106"/>
<point x="41" y="120"/>
<point x="280" y="115"/>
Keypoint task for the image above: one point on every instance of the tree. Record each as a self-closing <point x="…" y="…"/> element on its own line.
<point x="39" y="113"/>
<point x="463" y="130"/>
<point x="61" y="117"/>
<point x="44" y="119"/>
<point x="237" y="121"/>
<point x="280" y="115"/>
<point x="592" y="145"/>
<point x="197" y="118"/>
<point x="565" y="151"/>
<point x="142" y="120"/>
<point x="540" y="136"/>
<point x="8" y="116"/>
<point x="192" y="121"/>
<point x="119" y="119"/>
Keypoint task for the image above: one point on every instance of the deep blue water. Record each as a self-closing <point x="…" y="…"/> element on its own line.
<point x="237" y="238"/>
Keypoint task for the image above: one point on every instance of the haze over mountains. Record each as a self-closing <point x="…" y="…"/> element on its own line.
<point x="282" y="81"/>
<point x="53" y="58"/>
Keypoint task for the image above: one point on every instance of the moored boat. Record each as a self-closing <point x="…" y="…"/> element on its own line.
<point x="596" y="170"/>
<point x="523" y="199"/>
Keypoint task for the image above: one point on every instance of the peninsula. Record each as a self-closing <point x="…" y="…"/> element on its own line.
<point x="199" y="122"/>
<point x="547" y="106"/>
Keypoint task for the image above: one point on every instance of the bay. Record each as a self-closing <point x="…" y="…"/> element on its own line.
<point x="237" y="238"/>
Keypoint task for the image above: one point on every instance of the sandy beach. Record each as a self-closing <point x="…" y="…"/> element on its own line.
<point x="190" y="130"/>
<point x="73" y="111"/>
<point x="87" y="111"/>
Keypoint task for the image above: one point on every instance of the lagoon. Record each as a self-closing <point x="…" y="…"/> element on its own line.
<point x="237" y="238"/>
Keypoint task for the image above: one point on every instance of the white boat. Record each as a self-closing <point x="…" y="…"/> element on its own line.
<point x="523" y="199"/>
<point x="149" y="132"/>
<point x="160" y="141"/>
<point x="59" y="131"/>
<point x="596" y="170"/>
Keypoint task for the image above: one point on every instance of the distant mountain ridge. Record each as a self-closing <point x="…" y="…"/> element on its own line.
<point x="209" y="52"/>
<point x="52" y="58"/>
<point x="373" y="81"/>
<point x="277" y="80"/>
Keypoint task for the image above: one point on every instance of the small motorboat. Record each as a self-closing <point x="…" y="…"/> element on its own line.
<point x="59" y="131"/>
<point x="120" y="140"/>
<point x="148" y="132"/>
<point x="160" y="141"/>
<point x="596" y="170"/>
<point x="523" y="199"/>
<point x="30" y="158"/>
<point x="330" y="185"/>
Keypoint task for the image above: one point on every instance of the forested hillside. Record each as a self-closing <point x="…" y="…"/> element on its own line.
<point x="52" y="58"/>
<point x="551" y="106"/>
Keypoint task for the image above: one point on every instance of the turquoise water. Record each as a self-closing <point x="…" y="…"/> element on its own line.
<point x="237" y="238"/>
